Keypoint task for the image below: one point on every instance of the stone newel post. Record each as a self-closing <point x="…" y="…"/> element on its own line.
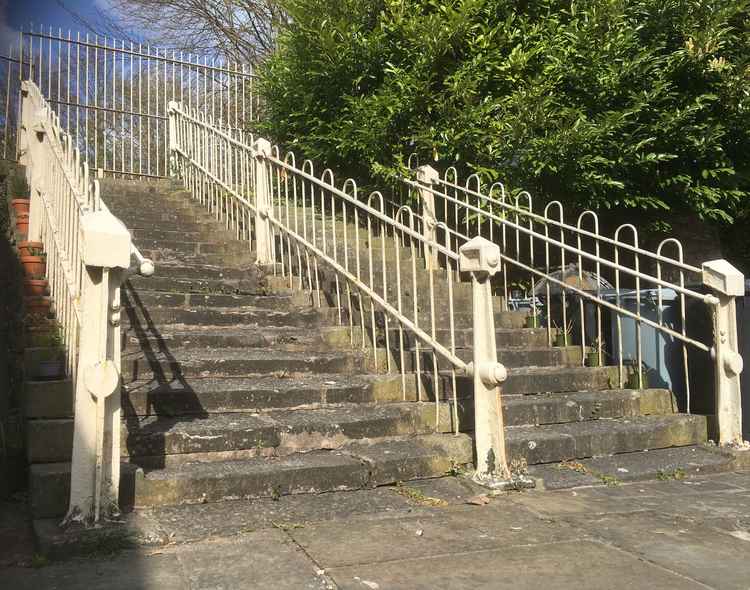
<point x="726" y="282"/>
<point x="481" y="258"/>
<point x="263" y="246"/>
<point x="427" y="175"/>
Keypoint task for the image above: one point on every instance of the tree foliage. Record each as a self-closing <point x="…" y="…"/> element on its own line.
<point x="623" y="104"/>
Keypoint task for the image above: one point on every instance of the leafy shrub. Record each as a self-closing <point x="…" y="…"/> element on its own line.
<point x="621" y="104"/>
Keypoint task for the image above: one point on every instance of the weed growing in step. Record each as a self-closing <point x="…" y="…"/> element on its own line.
<point x="676" y="474"/>
<point x="417" y="496"/>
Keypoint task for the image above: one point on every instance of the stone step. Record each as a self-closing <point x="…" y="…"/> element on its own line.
<point x="153" y="298"/>
<point x="512" y="357"/>
<point x="237" y="362"/>
<point x="171" y="338"/>
<point x="250" y="285"/>
<point x="184" y="245"/>
<point x="529" y="380"/>
<point x="580" y="406"/>
<point x="357" y="465"/>
<point x="154" y="442"/>
<point x="260" y="393"/>
<point x="239" y="260"/>
<point x="463" y="337"/>
<point x="203" y="272"/>
<point x="156" y="234"/>
<point x="674" y="463"/>
<point x="560" y="442"/>
<point x="219" y="316"/>
<point x="462" y="315"/>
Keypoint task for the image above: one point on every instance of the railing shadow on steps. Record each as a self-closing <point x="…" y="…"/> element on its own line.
<point x="89" y="254"/>
<point x="153" y="347"/>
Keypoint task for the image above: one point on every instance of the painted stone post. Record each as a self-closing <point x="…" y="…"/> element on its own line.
<point x="95" y="467"/>
<point x="727" y="283"/>
<point x="263" y="246"/>
<point x="481" y="258"/>
<point x="427" y="175"/>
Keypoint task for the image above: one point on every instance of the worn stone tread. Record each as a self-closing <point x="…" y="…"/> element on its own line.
<point x="591" y="438"/>
<point x="665" y="464"/>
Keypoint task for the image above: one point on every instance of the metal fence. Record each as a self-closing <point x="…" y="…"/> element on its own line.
<point x="111" y="96"/>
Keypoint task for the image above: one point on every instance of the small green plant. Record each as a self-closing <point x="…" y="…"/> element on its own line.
<point x="38" y="560"/>
<point x="563" y="334"/>
<point x="675" y="474"/>
<point x="18" y="187"/>
<point x="418" y="496"/>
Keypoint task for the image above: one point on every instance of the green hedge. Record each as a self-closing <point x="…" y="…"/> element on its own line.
<point x="628" y="105"/>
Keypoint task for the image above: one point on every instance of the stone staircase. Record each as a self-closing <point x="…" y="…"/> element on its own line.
<point x="235" y="386"/>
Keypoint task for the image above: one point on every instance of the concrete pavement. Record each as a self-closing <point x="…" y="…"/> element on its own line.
<point x="677" y="533"/>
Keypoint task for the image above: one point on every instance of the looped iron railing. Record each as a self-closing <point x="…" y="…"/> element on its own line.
<point x="553" y="261"/>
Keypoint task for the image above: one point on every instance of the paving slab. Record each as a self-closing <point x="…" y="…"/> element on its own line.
<point x="551" y="565"/>
<point x="129" y="571"/>
<point x="460" y="528"/>
<point x="184" y="524"/>
<point x="698" y="551"/>
<point x="263" y="560"/>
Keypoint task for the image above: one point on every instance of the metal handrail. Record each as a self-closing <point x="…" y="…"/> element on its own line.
<point x="320" y="229"/>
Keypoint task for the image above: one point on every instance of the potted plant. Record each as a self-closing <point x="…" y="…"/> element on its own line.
<point x="35" y="287"/>
<point x="51" y="364"/>
<point x="26" y="248"/>
<point x="22" y="224"/>
<point x="37" y="305"/>
<point x="18" y="190"/>
<point x="563" y="335"/>
<point x="593" y="358"/>
<point x="34" y="266"/>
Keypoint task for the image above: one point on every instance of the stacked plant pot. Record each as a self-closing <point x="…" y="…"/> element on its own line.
<point x="44" y="356"/>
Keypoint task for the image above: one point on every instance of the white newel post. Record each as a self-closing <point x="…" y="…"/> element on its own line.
<point x="263" y="246"/>
<point x="95" y="468"/>
<point x="172" y="111"/>
<point x="726" y="283"/>
<point x="481" y="258"/>
<point x="427" y="175"/>
<point x="32" y="154"/>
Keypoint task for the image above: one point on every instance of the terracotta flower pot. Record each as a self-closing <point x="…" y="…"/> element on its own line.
<point x="20" y="206"/>
<point x="22" y="223"/>
<point x="35" y="287"/>
<point x="29" y="248"/>
<point x="34" y="266"/>
<point x="37" y="305"/>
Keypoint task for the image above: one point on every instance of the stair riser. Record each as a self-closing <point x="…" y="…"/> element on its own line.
<point x="214" y="317"/>
<point x="214" y="245"/>
<point x="190" y="300"/>
<point x="52" y="440"/>
<point x="140" y="401"/>
<point x="202" y="273"/>
<point x="167" y="371"/>
<point x="688" y="430"/>
<point x="325" y="339"/>
<point x="228" y="260"/>
<point x="249" y="286"/>
<point x="50" y="484"/>
<point x="519" y="382"/>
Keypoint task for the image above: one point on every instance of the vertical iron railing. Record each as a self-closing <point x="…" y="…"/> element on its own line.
<point x="111" y="95"/>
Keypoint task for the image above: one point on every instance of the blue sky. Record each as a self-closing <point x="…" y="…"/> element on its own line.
<point x="15" y="14"/>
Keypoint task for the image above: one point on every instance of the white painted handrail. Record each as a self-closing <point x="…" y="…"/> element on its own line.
<point x="88" y="253"/>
